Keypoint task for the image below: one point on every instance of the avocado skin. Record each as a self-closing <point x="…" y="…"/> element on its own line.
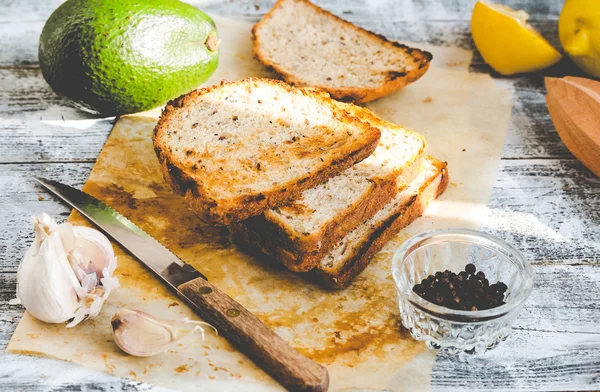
<point x="114" y="57"/>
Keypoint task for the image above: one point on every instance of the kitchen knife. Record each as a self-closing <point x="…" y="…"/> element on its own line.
<point x="293" y="370"/>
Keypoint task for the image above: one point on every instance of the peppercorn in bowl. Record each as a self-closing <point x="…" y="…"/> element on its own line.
<point x="460" y="290"/>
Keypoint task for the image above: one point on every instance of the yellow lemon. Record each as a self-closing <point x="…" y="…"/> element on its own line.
<point x="507" y="42"/>
<point x="579" y="32"/>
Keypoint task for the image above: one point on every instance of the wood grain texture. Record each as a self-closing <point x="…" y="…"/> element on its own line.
<point x="293" y="370"/>
<point x="40" y="126"/>
<point x="549" y="209"/>
<point x="574" y="106"/>
<point x="20" y="199"/>
<point x="406" y="9"/>
<point x="544" y="201"/>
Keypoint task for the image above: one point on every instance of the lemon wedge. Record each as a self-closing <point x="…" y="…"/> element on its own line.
<point x="507" y="42"/>
<point x="579" y="32"/>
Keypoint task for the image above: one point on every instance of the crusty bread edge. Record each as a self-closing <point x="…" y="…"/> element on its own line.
<point x="365" y="114"/>
<point x="414" y="208"/>
<point x="394" y="80"/>
<point x="272" y="242"/>
<point x="303" y="253"/>
<point x="384" y="233"/>
<point x="246" y="206"/>
<point x="302" y="246"/>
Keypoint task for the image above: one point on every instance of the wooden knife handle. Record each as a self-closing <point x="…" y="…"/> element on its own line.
<point x="293" y="370"/>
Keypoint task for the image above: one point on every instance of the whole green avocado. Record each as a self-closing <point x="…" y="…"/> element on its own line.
<point x="124" y="56"/>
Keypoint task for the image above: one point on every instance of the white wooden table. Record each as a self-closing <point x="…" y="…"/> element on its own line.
<point x="544" y="201"/>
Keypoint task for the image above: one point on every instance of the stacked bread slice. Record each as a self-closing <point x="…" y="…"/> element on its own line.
<point x="313" y="183"/>
<point x="237" y="149"/>
<point x="302" y="232"/>
<point x="347" y="258"/>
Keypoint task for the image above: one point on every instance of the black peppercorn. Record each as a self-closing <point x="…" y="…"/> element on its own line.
<point x="470" y="269"/>
<point x="467" y="290"/>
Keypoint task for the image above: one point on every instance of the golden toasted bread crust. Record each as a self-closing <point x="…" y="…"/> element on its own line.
<point x="248" y="205"/>
<point x="384" y="233"/>
<point x="302" y="253"/>
<point x="311" y="247"/>
<point x="274" y="238"/>
<point x="355" y="264"/>
<point x="395" y="80"/>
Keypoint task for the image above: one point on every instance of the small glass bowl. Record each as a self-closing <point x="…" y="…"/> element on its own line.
<point x="452" y="330"/>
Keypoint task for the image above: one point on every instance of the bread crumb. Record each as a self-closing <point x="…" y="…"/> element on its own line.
<point x="427" y="100"/>
<point x="40" y="198"/>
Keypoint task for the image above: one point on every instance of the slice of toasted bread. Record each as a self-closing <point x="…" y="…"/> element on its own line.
<point x="239" y="148"/>
<point x="302" y="232"/>
<point x="308" y="46"/>
<point x="354" y="252"/>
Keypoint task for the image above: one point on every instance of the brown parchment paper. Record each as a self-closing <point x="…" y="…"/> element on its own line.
<point x="354" y="332"/>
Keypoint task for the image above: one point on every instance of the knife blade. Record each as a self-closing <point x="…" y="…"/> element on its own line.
<point x="140" y="244"/>
<point x="293" y="370"/>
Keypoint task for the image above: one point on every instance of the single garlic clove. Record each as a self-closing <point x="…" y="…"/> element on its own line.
<point x="143" y="335"/>
<point x="91" y="254"/>
<point x="93" y="260"/>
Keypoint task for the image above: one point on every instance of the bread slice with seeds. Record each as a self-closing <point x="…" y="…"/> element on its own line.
<point x="237" y="149"/>
<point x="354" y="252"/>
<point x="309" y="46"/>
<point x="305" y="230"/>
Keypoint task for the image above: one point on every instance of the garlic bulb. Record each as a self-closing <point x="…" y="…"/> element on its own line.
<point x="66" y="274"/>
<point x="143" y="335"/>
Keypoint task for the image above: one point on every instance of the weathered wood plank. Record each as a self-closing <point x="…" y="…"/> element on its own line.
<point x="38" y="126"/>
<point x="527" y="361"/>
<point x="531" y="133"/>
<point x="550" y="209"/>
<point x="24" y="93"/>
<point x="53" y="140"/>
<point x="21" y="198"/>
<point x="407" y="9"/>
<point x="20" y="373"/>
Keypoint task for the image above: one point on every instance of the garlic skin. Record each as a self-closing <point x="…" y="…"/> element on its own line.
<point x="91" y="254"/>
<point x="66" y="274"/>
<point x="46" y="282"/>
<point x="143" y="335"/>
